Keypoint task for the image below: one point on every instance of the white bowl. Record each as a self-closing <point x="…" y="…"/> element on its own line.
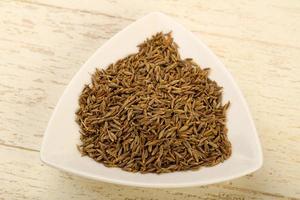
<point x="62" y="134"/>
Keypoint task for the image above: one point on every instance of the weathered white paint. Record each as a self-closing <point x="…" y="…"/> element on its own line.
<point x="43" y="44"/>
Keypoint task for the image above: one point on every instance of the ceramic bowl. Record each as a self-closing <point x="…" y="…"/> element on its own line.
<point x="62" y="134"/>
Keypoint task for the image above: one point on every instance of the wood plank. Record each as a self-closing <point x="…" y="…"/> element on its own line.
<point x="253" y="20"/>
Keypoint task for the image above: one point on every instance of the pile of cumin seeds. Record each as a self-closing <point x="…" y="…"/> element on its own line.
<point x="153" y="112"/>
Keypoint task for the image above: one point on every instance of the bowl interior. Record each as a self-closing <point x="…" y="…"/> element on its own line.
<point x="62" y="134"/>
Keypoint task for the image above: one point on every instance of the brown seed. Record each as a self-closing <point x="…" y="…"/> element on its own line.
<point x="153" y="112"/>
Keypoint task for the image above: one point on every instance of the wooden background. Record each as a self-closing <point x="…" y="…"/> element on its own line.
<point x="44" y="43"/>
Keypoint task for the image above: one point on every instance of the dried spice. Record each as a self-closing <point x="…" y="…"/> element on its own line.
<point x="153" y="112"/>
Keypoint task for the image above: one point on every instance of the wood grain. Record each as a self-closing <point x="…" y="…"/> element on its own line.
<point x="44" y="43"/>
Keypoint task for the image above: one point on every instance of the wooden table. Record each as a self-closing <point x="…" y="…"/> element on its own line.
<point x="44" y="43"/>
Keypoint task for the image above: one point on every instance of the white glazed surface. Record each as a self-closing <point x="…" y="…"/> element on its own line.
<point x="60" y="139"/>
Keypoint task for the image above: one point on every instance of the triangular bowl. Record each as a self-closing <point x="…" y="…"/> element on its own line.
<point x="62" y="134"/>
